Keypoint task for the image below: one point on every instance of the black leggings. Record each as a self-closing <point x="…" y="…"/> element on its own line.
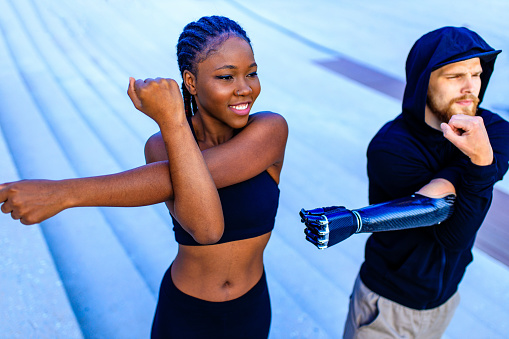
<point x="179" y="315"/>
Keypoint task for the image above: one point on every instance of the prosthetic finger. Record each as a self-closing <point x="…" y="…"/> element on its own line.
<point x="328" y="226"/>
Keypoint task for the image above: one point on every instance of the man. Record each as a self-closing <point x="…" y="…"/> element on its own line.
<point x="441" y="143"/>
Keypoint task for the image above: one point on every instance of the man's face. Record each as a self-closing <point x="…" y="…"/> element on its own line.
<point x="454" y="89"/>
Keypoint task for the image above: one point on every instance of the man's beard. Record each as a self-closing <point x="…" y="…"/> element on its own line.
<point x="445" y="114"/>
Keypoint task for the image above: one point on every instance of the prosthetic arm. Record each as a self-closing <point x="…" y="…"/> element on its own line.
<point x="328" y="226"/>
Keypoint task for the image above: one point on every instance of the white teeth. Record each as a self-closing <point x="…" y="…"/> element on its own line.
<point x="241" y="107"/>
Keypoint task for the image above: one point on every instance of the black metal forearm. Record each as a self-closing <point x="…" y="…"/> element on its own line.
<point x="328" y="226"/>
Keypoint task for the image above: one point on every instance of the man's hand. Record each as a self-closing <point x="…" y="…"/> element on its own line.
<point x="31" y="201"/>
<point x="469" y="134"/>
<point x="159" y="98"/>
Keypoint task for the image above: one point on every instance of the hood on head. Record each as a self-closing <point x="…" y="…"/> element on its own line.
<point x="435" y="49"/>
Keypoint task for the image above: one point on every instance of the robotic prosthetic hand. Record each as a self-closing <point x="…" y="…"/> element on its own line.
<point x="328" y="226"/>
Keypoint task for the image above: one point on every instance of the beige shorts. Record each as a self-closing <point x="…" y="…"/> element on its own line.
<point x="373" y="316"/>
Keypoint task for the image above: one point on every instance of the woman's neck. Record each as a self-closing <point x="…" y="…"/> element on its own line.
<point x="210" y="132"/>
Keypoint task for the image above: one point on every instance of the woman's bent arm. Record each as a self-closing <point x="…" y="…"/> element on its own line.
<point x="196" y="203"/>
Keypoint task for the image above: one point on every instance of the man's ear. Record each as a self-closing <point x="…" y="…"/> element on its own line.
<point x="189" y="81"/>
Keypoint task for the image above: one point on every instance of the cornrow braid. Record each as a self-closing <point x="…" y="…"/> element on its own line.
<point x="195" y="43"/>
<point x="187" y="100"/>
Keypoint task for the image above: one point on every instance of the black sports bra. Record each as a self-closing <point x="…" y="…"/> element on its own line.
<point x="249" y="209"/>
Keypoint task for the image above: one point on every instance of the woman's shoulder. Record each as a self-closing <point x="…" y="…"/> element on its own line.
<point x="268" y="119"/>
<point x="266" y="115"/>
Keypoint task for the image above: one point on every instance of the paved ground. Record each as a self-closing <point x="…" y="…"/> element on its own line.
<point x="95" y="272"/>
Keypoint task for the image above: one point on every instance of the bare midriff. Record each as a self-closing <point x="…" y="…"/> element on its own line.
<point x="219" y="272"/>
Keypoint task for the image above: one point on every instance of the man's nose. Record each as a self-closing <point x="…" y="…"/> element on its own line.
<point x="469" y="83"/>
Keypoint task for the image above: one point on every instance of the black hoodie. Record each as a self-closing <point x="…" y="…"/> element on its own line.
<point x="421" y="268"/>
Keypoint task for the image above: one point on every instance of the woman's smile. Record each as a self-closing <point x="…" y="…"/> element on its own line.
<point x="241" y="109"/>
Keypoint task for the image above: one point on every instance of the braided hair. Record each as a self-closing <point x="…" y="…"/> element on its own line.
<point x="197" y="41"/>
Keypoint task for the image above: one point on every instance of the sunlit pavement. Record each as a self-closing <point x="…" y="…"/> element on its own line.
<point x="95" y="272"/>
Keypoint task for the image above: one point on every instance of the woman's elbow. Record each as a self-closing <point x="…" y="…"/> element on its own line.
<point x="206" y="230"/>
<point x="210" y="235"/>
<point x="155" y="149"/>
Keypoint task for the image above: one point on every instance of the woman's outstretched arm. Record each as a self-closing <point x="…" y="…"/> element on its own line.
<point x="33" y="201"/>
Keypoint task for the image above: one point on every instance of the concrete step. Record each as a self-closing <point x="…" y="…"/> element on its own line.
<point x="104" y="294"/>
<point x="112" y="147"/>
<point x="26" y="269"/>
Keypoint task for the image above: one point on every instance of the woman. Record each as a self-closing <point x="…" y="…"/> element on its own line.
<point x="216" y="285"/>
